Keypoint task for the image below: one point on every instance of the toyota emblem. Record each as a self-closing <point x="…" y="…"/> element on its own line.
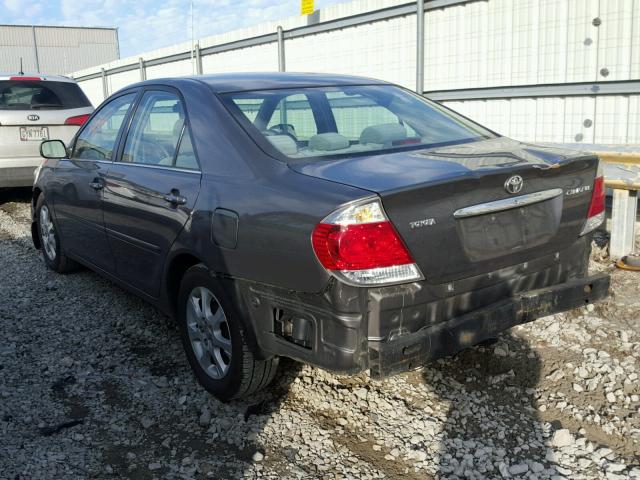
<point x="33" y="118"/>
<point x="514" y="184"/>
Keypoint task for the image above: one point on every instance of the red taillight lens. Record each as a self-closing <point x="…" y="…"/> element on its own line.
<point x="26" y="79"/>
<point x="597" y="198"/>
<point x="595" y="214"/>
<point x="359" y="247"/>
<point x="78" y="120"/>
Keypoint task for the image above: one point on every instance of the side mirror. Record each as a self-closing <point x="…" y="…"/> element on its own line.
<point x="53" y="149"/>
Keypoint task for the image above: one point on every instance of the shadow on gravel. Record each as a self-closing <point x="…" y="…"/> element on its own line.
<point x="492" y="413"/>
<point x="10" y="195"/>
<point x="174" y="428"/>
<point x="162" y="424"/>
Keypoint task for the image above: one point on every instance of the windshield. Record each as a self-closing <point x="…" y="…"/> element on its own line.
<point x="348" y="120"/>
<point x="38" y="95"/>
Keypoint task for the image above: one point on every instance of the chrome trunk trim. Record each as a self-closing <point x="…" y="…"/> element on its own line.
<point x="507" y="203"/>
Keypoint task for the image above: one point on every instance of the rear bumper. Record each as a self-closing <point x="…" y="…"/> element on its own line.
<point x="447" y="338"/>
<point x="17" y="176"/>
<point x="396" y="328"/>
<point x="18" y="172"/>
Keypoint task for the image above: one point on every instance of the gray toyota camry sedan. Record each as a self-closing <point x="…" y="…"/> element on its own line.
<point x="340" y="221"/>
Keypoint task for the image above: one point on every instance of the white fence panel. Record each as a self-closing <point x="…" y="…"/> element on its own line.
<point x="633" y="122"/>
<point x="502" y="42"/>
<point x="559" y="119"/>
<point x="261" y="58"/>
<point x="456" y="47"/>
<point x="93" y="90"/>
<point x="578" y="119"/>
<point x="117" y="81"/>
<point x="635" y="42"/>
<point x="172" y="69"/>
<point x="614" y="40"/>
<point x="582" y="48"/>
<point x="549" y="119"/>
<point x="612" y="115"/>
<point x="384" y="50"/>
<point x="552" y="41"/>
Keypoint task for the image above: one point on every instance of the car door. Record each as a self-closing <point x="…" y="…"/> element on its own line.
<point x="80" y="180"/>
<point x="150" y="189"/>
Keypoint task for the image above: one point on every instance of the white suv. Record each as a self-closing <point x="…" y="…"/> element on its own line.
<point x="35" y="108"/>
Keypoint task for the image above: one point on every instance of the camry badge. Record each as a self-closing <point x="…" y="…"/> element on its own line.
<point x="514" y="184"/>
<point x="33" y="118"/>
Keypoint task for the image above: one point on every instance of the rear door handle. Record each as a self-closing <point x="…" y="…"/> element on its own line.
<point x="96" y="185"/>
<point x="174" y="198"/>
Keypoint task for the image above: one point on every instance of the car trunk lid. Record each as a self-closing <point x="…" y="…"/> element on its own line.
<point x="422" y="190"/>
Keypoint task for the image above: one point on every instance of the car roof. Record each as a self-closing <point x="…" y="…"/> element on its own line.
<point x="238" y="82"/>
<point x="39" y="76"/>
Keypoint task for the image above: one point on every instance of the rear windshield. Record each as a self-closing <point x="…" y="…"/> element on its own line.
<point x="37" y="95"/>
<point x="341" y="121"/>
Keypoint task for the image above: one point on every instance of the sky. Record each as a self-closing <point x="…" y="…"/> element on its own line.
<point x="145" y="25"/>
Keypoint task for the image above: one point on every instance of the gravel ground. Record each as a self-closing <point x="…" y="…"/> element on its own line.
<point x="94" y="384"/>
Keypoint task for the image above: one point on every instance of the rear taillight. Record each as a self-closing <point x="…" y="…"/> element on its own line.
<point x="78" y="120"/>
<point x="359" y="245"/>
<point x="595" y="214"/>
<point x="26" y="79"/>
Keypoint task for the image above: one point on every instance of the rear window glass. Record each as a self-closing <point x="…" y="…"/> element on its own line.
<point x="36" y="95"/>
<point x="326" y="122"/>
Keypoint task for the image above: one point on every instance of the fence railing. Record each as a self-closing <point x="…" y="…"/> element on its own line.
<point x="280" y="36"/>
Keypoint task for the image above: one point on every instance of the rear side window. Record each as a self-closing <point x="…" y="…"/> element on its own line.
<point x="98" y="137"/>
<point x="158" y="135"/>
<point x="40" y="95"/>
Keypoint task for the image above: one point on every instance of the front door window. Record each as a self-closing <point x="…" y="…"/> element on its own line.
<point x="98" y="138"/>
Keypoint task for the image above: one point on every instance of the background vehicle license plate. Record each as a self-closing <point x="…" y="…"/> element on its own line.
<point x="34" y="133"/>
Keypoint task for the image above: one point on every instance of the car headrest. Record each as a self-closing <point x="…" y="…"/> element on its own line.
<point x="328" y="142"/>
<point x="383" y="134"/>
<point x="284" y="143"/>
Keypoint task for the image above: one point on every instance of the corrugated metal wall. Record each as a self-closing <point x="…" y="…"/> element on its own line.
<point x="611" y="119"/>
<point x="60" y="50"/>
<point x="476" y="44"/>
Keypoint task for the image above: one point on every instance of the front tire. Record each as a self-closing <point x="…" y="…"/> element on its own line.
<point x="52" y="251"/>
<point x="213" y="340"/>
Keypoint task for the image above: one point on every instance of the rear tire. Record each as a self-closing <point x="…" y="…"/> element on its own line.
<point x="214" y="342"/>
<point x="52" y="249"/>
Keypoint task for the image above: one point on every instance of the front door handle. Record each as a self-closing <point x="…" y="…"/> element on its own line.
<point x="96" y="184"/>
<point x="174" y="198"/>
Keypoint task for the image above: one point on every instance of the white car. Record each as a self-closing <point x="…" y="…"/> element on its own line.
<point x="35" y="108"/>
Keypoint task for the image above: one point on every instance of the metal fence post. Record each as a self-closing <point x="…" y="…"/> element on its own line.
<point x="143" y="69"/>
<point x="420" y="47"/>
<point x="281" y="64"/>
<point x="198" y="60"/>
<point x="35" y="48"/>
<point x="105" y="89"/>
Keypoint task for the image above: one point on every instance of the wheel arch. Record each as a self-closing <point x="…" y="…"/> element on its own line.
<point x="34" y="226"/>
<point x="176" y="268"/>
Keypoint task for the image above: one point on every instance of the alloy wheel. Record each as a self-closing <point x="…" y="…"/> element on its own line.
<point x="47" y="233"/>
<point x="209" y="332"/>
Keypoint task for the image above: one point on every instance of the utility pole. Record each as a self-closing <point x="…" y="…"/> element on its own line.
<point x="420" y="47"/>
<point x="193" y="69"/>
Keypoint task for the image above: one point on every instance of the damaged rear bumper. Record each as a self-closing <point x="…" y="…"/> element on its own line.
<point x="413" y="350"/>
